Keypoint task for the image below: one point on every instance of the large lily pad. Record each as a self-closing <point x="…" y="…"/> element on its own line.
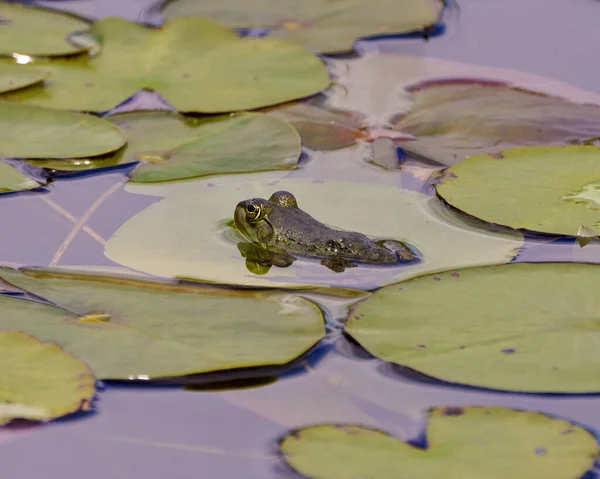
<point x="129" y="329"/>
<point x="382" y="85"/>
<point x="39" y="381"/>
<point x="12" y="179"/>
<point x="319" y="25"/>
<point x="490" y="443"/>
<point x="37" y="31"/>
<point x="195" y="64"/>
<point x="169" y="239"/>
<point x="173" y="146"/>
<point x="547" y="189"/>
<point x="28" y="131"/>
<point x="519" y="327"/>
<point x="13" y="77"/>
<point x="452" y="121"/>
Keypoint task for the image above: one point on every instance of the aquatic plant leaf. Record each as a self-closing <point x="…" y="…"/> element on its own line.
<point x="319" y="25"/>
<point x="452" y="121"/>
<point x="12" y="179"/>
<point x="37" y="31"/>
<point x="518" y="327"/>
<point x="168" y="239"/>
<point x="381" y="85"/>
<point x="39" y="381"/>
<point x="129" y="329"/>
<point x="13" y="77"/>
<point x="494" y="443"/>
<point x="173" y="146"/>
<point x="28" y="131"/>
<point x="548" y="189"/>
<point x="320" y="129"/>
<point x="195" y="64"/>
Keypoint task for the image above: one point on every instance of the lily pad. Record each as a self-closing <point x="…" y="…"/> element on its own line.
<point x="28" y="131"/>
<point x="12" y="179"/>
<point x="39" y="381"/>
<point x="518" y="327"/>
<point x="547" y="189"/>
<point x="490" y="443"/>
<point x="133" y="329"/>
<point x="168" y="239"/>
<point x="13" y="77"/>
<point x="195" y="64"/>
<point x="173" y="146"/>
<point x="319" y="25"/>
<point x="319" y="128"/>
<point x="37" y="31"/>
<point x="452" y="121"/>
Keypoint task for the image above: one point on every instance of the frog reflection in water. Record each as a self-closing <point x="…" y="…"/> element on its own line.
<point x="278" y="229"/>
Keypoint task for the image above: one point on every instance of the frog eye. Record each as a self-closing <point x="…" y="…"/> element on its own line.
<point x="252" y="210"/>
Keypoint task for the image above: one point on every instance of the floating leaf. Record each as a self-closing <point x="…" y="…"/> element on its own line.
<point x="320" y="129"/>
<point x="37" y="31"/>
<point x="39" y="381"/>
<point x="490" y="443"/>
<point x="174" y="146"/>
<point x="13" y="77"/>
<point x="519" y="327"/>
<point x="168" y="239"/>
<point x="453" y="121"/>
<point x="319" y="25"/>
<point x="380" y="85"/>
<point x="13" y="180"/>
<point x="130" y="329"/>
<point x="195" y="64"/>
<point x="28" y="131"/>
<point x="548" y="189"/>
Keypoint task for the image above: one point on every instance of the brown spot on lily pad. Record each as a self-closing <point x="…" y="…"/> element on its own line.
<point x="452" y="411"/>
<point x="499" y="155"/>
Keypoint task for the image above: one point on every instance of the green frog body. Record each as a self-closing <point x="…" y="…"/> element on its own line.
<point x="279" y="225"/>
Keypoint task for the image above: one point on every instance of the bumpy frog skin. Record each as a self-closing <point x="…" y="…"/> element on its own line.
<point x="277" y="224"/>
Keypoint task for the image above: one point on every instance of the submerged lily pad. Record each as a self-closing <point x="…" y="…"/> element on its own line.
<point x="13" y="77"/>
<point x="12" y="179"/>
<point x="28" y="131"/>
<point x="37" y="31"/>
<point x="174" y="146"/>
<point x="518" y="327"/>
<point x="129" y="329"/>
<point x="319" y="25"/>
<point x="169" y="239"/>
<point x="548" y="189"/>
<point x="195" y="64"/>
<point x="490" y="443"/>
<point x="39" y="381"/>
<point x="452" y="121"/>
<point x="319" y="128"/>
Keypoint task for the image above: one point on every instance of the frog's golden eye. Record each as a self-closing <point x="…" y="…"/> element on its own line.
<point x="252" y="211"/>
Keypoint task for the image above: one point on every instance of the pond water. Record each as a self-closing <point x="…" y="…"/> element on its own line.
<point x="220" y="432"/>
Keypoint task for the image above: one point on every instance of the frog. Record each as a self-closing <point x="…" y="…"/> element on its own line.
<point x="278" y="225"/>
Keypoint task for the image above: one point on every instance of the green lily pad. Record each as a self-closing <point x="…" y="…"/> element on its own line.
<point x="12" y="179"/>
<point x="454" y="121"/>
<point x="195" y="64"/>
<point x="173" y="146"/>
<point x="39" y="381"/>
<point x="319" y="25"/>
<point x="133" y="329"/>
<point x="319" y="128"/>
<point x="167" y="239"/>
<point x="547" y="189"/>
<point x="37" y="31"/>
<point x="519" y="327"/>
<point x="490" y="443"/>
<point x="28" y="131"/>
<point x="13" y="77"/>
